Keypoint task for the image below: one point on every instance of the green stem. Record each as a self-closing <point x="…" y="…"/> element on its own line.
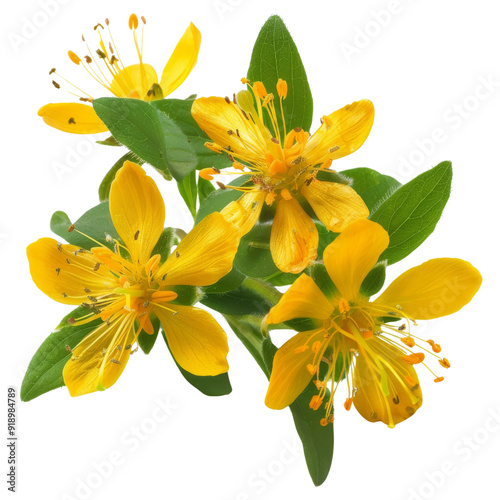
<point x="262" y="288"/>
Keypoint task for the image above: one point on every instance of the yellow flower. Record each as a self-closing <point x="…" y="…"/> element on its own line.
<point x="129" y="286"/>
<point x="283" y="170"/>
<point x="139" y="81"/>
<point x="353" y="340"/>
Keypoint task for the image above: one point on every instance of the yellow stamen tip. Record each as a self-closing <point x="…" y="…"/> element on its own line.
<point x="348" y="404"/>
<point x="439" y="379"/>
<point x="74" y="58"/>
<point x="133" y="22"/>
<point x="316" y="346"/>
<point x="244" y="80"/>
<point x="207" y="174"/>
<point x="444" y="363"/>
<point x="286" y="194"/>
<point x="312" y="369"/>
<point x="323" y="422"/>
<point x="282" y="88"/>
<point x="315" y="402"/>
<point x="259" y="90"/>
<point x="344" y="305"/>
<point x="301" y="348"/>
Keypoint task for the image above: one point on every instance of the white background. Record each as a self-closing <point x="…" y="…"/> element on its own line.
<point x="422" y="65"/>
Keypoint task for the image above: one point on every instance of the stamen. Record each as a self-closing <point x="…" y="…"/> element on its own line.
<point x="315" y="402"/>
<point x="444" y="363"/>
<point x="282" y="88"/>
<point x="344" y="305"/>
<point x="439" y="379"/>
<point x="301" y="349"/>
<point x="74" y="58"/>
<point x="133" y="22"/>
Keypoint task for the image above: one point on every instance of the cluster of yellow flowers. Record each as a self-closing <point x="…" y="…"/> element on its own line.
<point x="371" y="344"/>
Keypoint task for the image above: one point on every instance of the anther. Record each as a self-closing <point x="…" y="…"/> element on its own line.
<point x="297" y="129"/>
<point x="74" y="58"/>
<point x="133" y="22"/>
<point x="444" y="363"/>
<point x="348" y="404"/>
<point x="115" y="361"/>
<point x="275" y="140"/>
<point x="312" y="369"/>
<point x="282" y="88"/>
<point x="86" y="290"/>
<point x="323" y="422"/>
<point x="136" y="235"/>
<point x="67" y="347"/>
<point x="244" y="80"/>
<point x="100" y="53"/>
<point x="58" y="270"/>
<point x="332" y="150"/>
<point x="53" y="70"/>
<point x="221" y="185"/>
<point x="98" y="25"/>
<point x="439" y="379"/>
<point x="88" y="59"/>
<point x="177" y="254"/>
<point x="227" y="100"/>
<point x="316" y="346"/>
<point x="106" y="21"/>
<point x="230" y="132"/>
<point x="97" y="266"/>
<point x="408" y="341"/>
<point x="396" y="400"/>
<point x="315" y="402"/>
<point x="71" y="321"/>
<point x="343" y="305"/>
<point x="56" y="85"/>
<point x="301" y="349"/>
<point x="143" y="19"/>
<point x="402" y="327"/>
<point x="71" y="121"/>
<point x="71" y="228"/>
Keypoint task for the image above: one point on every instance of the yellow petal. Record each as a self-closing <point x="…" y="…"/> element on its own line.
<point x="245" y="211"/>
<point x="436" y="288"/>
<point x="345" y="129"/>
<point x="182" y="61"/>
<point x="137" y="210"/>
<point x="402" y="396"/>
<point x="76" y="118"/>
<point x="134" y="81"/>
<point x="204" y="256"/>
<point x="294" y="237"/>
<point x="353" y="254"/>
<point x="66" y="281"/>
<point x="290" y="376"/>
<point x="335" y="205"/>
<point x="196" y="340"/>
<point x="303" y="299"/>
<point x="220" y="119"/>
<point x="100" y="358"/>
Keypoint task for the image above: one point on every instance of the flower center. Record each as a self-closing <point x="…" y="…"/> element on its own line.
<point x="363" y="330"/>
<point x="276" y="161"/>
<point x="105" y="66"/>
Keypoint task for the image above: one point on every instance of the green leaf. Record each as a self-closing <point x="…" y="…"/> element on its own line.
<point x="105" y="186"/>
<point x="317" y="440"/>
<point x="164" y="244"/>
<point x="321" y="277"/>
<point x="45" y="369"/>
<point x="109" y="141"/>
<point x="180" y="112"/>
<point x="228" y="282"/>
<point x="219" y="198"/>
<point x="275" y="56"/>
<point x="372" y="186"/>
<point x="188" y="191"/>
<point x="204" y="189"/>
<point x="412" y="212"/>
<point x="374" y="280"/>
<point x="148" y="133"/>
<point x="218" y="385"/>
<point x="145" y="340"/>
<point x="95" y="223"/>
